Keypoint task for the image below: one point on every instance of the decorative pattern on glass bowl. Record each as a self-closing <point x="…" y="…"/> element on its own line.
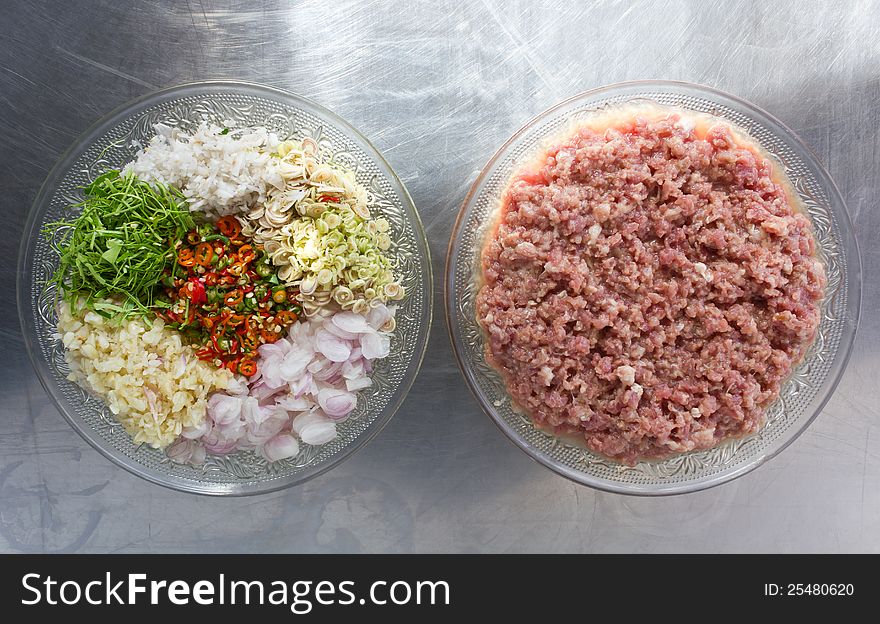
<point x="112" y="142"/>
<point x="801" y="397"/>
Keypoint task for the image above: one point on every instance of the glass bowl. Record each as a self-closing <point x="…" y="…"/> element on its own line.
<point x="804" y="393"/>
<point x="113" y="141"/>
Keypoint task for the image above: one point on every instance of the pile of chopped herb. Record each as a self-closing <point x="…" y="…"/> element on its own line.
<point x="120" y="245"/>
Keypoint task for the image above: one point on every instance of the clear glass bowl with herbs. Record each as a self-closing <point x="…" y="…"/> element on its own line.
<point x="111" y="143"/>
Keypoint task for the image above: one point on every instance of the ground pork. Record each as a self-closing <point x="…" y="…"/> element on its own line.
<point x="648" y="286"/>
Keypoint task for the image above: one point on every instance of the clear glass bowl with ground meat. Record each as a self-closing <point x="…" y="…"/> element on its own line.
<point x="677" y="336"/>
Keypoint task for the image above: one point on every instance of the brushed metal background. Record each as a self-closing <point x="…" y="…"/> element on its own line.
<point x="438" y="86"/>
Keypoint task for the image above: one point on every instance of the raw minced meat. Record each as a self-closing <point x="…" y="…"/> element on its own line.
<point x="649" y="286"/>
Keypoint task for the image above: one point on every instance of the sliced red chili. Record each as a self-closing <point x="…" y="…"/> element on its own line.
<point x="185" y="257"/>
<point x="229" y="333"/>
<point x="208" y="322"/>
<point x="285" y="317"/>
<point x="233" y="297"/>
<point x="236" y="268"/>
<point x="247" y="367"/>
<point x="244" y="328"/>
<point x="193" y="290"/>
<point x="200" y="295"/>
<point x="235" y="320"/>
<point x="234" y="344"/>
<point x="246" y="253"/>
<point x="204" y="254"/>
<point x="214" y="340"/>
<point x="250" y="340"/>
<point x="269" y="336"/>
<point x="229" y="226"/>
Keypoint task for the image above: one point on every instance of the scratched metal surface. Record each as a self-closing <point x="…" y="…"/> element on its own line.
<point x="438" y="86"/>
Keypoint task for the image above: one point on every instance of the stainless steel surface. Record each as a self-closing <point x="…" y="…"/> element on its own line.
<point x="437" y="87"/>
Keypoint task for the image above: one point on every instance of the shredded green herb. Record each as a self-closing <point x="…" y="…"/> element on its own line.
<point x="120" y="244"/>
